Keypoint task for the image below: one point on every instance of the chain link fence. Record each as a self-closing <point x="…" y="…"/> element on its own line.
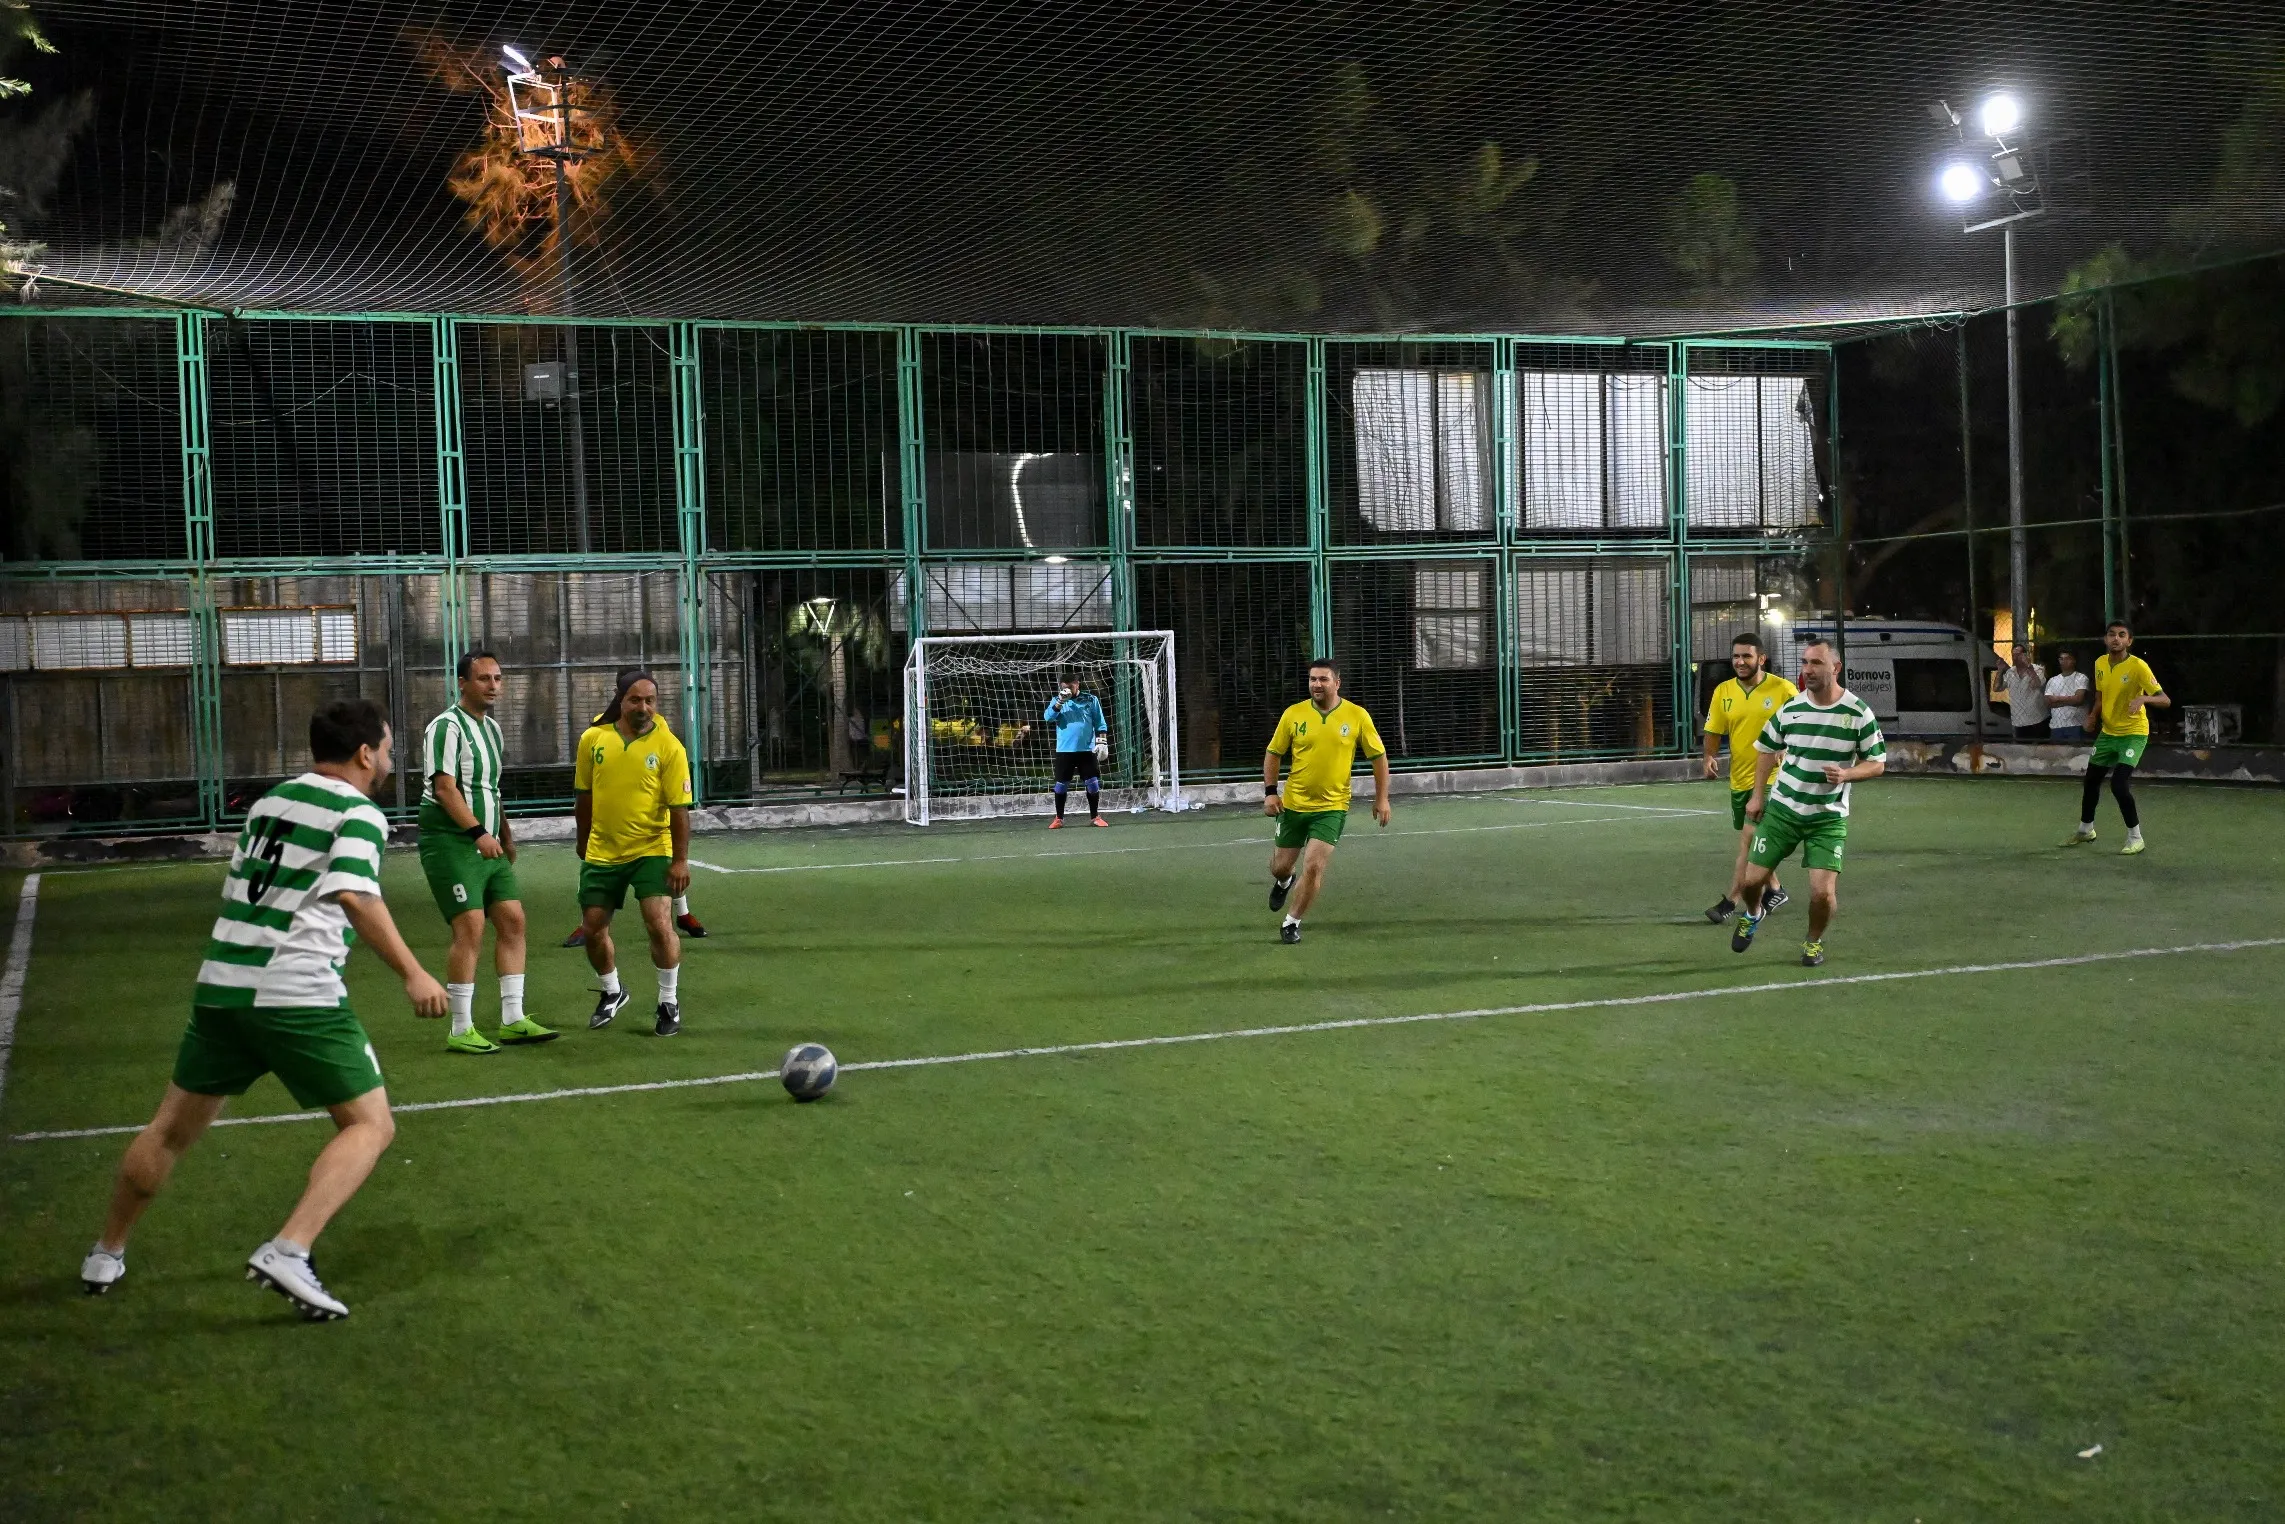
<point x="223" y="521"/>
<point x="2148" y="486"/>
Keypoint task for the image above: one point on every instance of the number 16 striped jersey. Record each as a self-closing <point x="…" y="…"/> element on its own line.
<point x="282" y="937"/>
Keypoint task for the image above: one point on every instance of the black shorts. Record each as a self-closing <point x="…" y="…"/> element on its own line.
<point x="1079" y="764"/>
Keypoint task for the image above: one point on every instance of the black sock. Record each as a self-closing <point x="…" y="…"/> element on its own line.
<point x="1061" y="794"/>
<point x="1094" y="799"/>
<point x="2091" y="793"/>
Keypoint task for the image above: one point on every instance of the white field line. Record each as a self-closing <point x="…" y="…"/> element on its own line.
<point x="1191" y="846"/>
<point x="73" y="870"/>
<point x="12" y="980"/>
<point x="935" y="1060"/>
<point x="1602" y="804"/>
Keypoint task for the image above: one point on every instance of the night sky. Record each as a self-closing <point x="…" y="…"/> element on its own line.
<point x="1164" y="164"/>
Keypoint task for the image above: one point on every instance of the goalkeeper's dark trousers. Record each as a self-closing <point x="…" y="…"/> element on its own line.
<point x="2121" y="788"/>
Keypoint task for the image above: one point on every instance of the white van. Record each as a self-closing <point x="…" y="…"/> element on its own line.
<point x="1920" y="679"/>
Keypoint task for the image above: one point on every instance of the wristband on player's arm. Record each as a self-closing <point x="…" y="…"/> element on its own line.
<point x="1269" y="791"/>
<point x="475" y="832"/>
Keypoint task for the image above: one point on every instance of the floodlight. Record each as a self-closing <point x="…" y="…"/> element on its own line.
<point x="1961" y="182"/>
<point x="522" y="63"/>
<point x="1058" y="560"/>
<point x="1999" y="115"/>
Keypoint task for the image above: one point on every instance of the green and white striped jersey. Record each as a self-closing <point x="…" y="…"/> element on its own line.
<point x="469" y="748"/>
<point x="1845" y="732"/>
<point x="282" y="937"/>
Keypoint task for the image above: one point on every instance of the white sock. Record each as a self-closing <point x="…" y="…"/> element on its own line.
<point x="2086" y="828"/>
<point x="1282" y="883"/>
<point x="610" y="982"/>
<point x="511" y="999"/>
<point x="460" y="1000"/>
<point x="1293" y="920"/>
<point x="682" y="904"/>
<point x="668" y="977"/>
<point x="287" y="1246"/>
<point x="2134" y="833"/>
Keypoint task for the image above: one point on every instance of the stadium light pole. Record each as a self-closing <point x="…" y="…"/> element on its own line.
<point x="540" y="102"/>
<point x="1997" y="161"/>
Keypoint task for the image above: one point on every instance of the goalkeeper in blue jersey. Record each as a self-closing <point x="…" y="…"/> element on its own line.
<point x="1082" y="741"/>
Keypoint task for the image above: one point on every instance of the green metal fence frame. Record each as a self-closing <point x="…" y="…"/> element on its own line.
<point x="1505" y="546"/>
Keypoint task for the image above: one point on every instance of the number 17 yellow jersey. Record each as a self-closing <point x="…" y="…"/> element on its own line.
<point x="1739" y="714"/>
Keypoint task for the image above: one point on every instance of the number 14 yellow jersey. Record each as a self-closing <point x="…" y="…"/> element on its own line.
<point x="1323" y="748"/>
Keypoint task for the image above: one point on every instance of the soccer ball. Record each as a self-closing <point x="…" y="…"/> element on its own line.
<point x="808" y="1070"/>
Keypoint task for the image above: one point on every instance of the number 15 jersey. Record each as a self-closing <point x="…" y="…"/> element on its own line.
<point x="282" y="937"/>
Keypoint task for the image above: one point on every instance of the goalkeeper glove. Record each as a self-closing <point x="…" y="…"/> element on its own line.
<point x="1102" y="748"/>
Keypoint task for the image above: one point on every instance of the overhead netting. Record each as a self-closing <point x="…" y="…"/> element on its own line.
<point x="1306" y="166"/>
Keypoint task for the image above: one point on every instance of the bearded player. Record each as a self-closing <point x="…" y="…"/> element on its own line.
<point x="1321" y="736"/>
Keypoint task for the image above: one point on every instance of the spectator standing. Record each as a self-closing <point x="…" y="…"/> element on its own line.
<point x="2026" y="683"/>
<point x="2067" y="694"/>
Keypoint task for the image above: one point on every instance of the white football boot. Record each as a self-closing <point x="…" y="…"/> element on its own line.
<point x="102" y="1270"/>
<point x="294" y="1278"/>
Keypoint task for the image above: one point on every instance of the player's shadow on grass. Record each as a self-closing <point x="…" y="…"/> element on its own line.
<point x="402" y="1254"/>
<point x="772" y="1107"/>
<point x="167" y="1307"/>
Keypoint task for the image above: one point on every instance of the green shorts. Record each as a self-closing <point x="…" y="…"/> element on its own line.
<point x="460" y="877"/>
<point x="1738" y="798"/>
<point x="1296" y="827"/>
<point x="320" y="1052"/>
<point x="1820" y="839"/>
<point x="2119" y="751"/>
<point x="606" y="884"/>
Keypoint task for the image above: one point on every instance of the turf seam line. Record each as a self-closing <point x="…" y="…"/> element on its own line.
<point x="1108" y="1045"/>
<point x="1192" y="846"/>
<point x="12" y="980"/>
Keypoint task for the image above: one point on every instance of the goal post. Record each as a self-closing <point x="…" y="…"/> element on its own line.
<point x="978" y="743"/>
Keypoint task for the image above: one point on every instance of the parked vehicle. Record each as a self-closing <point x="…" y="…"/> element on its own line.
<point x="1920" y="678"/>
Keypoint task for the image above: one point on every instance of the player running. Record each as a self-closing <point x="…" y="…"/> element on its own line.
<point x="684" y="922"/>
<point x="305" y="873"/>
<point x="469" y="857"/>
<point x="633" y="820"/>
<point x="1082" y="740"/>
<point x="1812" y="749"/>
<point x="1322" y="736"/>
<point x="2126" y="690"/>
<point x="1739" y="709"/>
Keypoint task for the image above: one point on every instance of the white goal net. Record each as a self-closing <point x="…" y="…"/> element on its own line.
<point x="978" y="740"/>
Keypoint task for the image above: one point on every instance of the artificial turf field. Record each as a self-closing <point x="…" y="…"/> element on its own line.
<point x="1877" y="1250"/>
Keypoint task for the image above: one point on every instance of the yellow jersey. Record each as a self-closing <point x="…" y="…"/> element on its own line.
<point x="634" y="784"/>
<point x="1737" y="713"/>
<point x="1323" y="751"/>
<point x="2118" y="679"/>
